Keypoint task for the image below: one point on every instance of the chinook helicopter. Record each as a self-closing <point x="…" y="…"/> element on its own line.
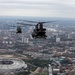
<point x="38" y="32"/>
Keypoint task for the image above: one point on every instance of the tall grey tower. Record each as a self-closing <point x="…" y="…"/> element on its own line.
<point x="50" y="70"/>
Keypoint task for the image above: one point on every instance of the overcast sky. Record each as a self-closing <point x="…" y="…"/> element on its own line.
<point x="41" y="8"/>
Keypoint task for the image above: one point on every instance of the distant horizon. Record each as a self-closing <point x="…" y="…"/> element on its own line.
<point x="65" y="18"/>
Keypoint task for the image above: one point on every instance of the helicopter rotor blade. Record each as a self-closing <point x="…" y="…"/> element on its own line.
<point x="47" y="22"/>
<point x="26" y="24"/>
<point x="39" y="22"/>
<point x="13" y="26"/>
<point x="30" y="21"/>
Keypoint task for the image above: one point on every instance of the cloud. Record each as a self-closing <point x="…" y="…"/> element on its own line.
<point x="49" y="8"/>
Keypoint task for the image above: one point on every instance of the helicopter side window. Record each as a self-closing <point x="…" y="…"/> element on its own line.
<point x="38" y="26"/>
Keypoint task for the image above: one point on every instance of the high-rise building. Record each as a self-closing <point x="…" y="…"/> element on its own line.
<point x="57" y="39"/>
<point x="24" y="39"/>
<point x="50" y="70"/>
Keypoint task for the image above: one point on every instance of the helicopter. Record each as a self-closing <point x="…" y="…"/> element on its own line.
<point x="38" y="32"/>
<point x="19" y="30"/>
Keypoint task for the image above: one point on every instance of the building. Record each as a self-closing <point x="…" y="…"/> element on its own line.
<point x="12" y="65"/>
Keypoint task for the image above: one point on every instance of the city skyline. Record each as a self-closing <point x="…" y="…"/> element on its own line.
<point x="40" y="8"/>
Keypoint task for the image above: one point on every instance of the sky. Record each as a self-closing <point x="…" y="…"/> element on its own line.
<point x="38" y="8"/>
